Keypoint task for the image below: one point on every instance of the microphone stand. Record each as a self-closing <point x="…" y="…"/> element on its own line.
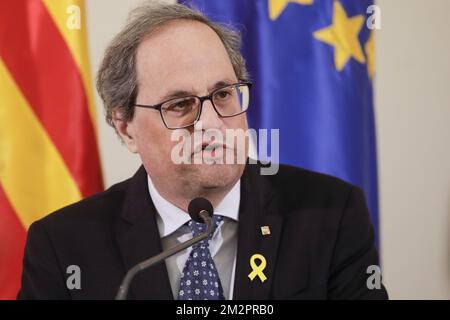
<point x="125" y="285"/>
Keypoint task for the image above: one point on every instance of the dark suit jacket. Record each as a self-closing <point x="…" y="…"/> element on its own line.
<point x="320" y="245"/>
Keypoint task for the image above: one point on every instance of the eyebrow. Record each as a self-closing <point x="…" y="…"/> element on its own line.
<point x="173" y="94"/>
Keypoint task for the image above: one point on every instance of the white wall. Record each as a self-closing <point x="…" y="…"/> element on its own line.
<point x="413" y="112"/>
<point x="105" y="18"/>
<point x="413" y="120"/>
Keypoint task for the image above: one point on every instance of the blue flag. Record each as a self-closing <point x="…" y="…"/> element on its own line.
<point x="312" y="65"/>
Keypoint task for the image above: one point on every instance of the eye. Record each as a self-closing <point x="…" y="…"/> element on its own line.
<point x="223" y="94"/>
<point x="180" y="105"/>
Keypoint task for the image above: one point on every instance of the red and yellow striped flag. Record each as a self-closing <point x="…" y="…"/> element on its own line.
<point x="48" y="145"/>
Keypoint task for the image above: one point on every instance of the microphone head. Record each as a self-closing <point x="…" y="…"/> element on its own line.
<point x="196" y="206"/>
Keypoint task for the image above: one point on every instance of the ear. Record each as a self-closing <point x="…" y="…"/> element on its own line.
<point x="125" y="129"/>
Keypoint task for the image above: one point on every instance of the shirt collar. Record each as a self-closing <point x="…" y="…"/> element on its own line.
<point x="171" y="218"/>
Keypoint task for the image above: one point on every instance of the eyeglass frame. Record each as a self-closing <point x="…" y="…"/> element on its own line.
<point x="202" y="100"/>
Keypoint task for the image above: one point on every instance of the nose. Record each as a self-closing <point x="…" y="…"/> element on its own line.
<point x="209" y="117"/>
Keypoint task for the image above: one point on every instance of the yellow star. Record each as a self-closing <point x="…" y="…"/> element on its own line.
<point x="369" y="47"/>
<point x="343" y="36"/>
<point x="276" y="7"/>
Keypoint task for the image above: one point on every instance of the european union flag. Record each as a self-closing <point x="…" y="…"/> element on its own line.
<point x="312" y="66"/>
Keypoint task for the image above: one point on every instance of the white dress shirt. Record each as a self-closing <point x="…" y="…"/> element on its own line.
<point x="223" y="246"/>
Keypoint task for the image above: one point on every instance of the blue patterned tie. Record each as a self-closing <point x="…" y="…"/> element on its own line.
<point x="200" y="279"/>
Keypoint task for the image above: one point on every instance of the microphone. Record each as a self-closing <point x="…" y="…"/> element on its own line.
<point x="200" y="210"/>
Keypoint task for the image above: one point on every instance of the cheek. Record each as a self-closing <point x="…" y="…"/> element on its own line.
<point x="152" y="137"/>
<point x="239" y="122"/>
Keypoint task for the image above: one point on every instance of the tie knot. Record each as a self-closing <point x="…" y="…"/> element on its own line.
<point x="198" y="228"/>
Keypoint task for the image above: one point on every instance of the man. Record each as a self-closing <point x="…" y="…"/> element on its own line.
<point x="292" y="235"/>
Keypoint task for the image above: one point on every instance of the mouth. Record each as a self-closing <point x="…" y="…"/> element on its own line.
<point x="210" y="149"/>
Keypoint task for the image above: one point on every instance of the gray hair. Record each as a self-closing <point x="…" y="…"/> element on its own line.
<point x="116" y="77"/>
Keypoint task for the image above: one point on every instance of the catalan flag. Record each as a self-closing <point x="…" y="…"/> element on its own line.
<point x="48" y="145"/>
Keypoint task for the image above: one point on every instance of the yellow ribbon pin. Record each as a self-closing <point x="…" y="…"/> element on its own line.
<point x="258" y="269"/>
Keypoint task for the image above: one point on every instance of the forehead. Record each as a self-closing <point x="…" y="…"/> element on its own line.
<point x="183" y="54"/>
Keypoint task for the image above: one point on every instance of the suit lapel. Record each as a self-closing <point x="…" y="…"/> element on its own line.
<point x="138" y="239"/>
<point x="259" y="207"/>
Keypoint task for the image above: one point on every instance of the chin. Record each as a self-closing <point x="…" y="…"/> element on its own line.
<point x="218" y="175"/>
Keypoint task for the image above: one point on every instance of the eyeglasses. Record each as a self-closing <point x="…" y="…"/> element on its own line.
<point x="228" y="101"/>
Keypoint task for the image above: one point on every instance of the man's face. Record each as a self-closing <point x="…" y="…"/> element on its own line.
<point x="183" y="56"/>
